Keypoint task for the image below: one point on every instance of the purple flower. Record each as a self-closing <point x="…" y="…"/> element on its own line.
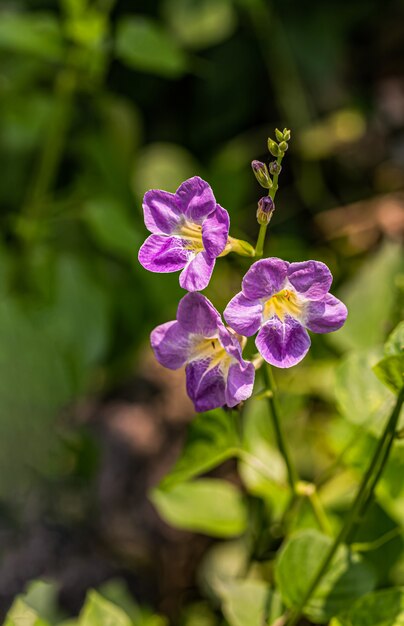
<point x="280" y="300"/>
<point x="216" y="373"/>
<point x="189" y="231"/>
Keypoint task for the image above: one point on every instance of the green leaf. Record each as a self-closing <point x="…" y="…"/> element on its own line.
<point x="348" y="577"/>
<point x="200" y="24"/>
<point x="210" y="506"/>
<point x="38" y="34"/>
<point x="98" y="611"/>
<point x="21" y="614"/>
<point x="144" y="45"/>
<point x="223" y="562"/>
<point x="379" y="608"/>
<point x="394" y="345"/>
<point x="249" y="602"/>
<point x="370" y="300"/>
<point x="42" y="596"/>
<point x="212" y="438"/>
<point x="391" y="372"/>
<point x="116" y="591"/>
<point x="361" y="397"/>
<point x="112" y="228"/>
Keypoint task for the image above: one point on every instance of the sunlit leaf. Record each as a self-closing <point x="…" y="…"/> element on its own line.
<point x="21" y="614"/>
<point x="97" y="611"/>
<point x="361" y="397"/>
<point x="249" y="602"/>
<point x="212" y="438"/>
<point x="210" y="506"/>
<point x="348" y="577"/>
<point x="144" y="45"/>
<point x="379" y="608"/>
<point x="38" y="34"/>
<point x="390" y="371"/>
<point x="370" y="299"/>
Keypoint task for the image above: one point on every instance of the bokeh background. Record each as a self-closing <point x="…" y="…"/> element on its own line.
<point x="100" y="101"/>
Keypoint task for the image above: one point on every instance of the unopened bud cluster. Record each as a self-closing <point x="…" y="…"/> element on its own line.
<point x="267" y="175"/>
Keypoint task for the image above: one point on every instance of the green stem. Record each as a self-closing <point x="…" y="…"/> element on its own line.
<point x="293" y="477"/>
<point x="259" y="248"/>
<point x="51" y="153"/>
<point x="319" y="512"/>
<point x="363" y="494"/>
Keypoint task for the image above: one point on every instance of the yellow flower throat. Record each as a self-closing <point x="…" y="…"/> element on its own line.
<point x="193" y="234"/>
<point x="283" y="303"/>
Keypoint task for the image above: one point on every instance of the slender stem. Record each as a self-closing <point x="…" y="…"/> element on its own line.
<point x="52" y="149"/>
<point x="362" y="495"/>
<point x="319" y="512"/>
<point x="293" y="477"/>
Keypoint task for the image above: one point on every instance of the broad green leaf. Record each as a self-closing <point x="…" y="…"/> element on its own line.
<point x="144" y="45"/>
<point x="21" y="614"/>
<point x="361" y="397"/>
<point x="111" y="227"/>
<point x="390" y="371"/>
<point x="210" y="506"/>
<point x="97" y="611"/>
<point x="42" y="596"/>
<point x="163" y="166"/>
<point x="116" y="591"/>
<point x="379" y="608"/>
<point x="212" y="438"/>
<point x="370" y="299"/>
<point x="249" y="602"/>
<point x="223" y="562"/>
<point x="394" y="345"/>
<point x="348" y="577"/>
<point x="38" y="34"/>
<point x="200" y="24"/>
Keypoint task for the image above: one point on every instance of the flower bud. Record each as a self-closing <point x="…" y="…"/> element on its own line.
<point x="279" y="134"/>
<point x="273" y="147"/>
<point x="275" y="168"/>
<point x="261" y="174"/>
<point x="286" y="134"/>
<point x="283" y="146"/>
<point x="266" y="207"/>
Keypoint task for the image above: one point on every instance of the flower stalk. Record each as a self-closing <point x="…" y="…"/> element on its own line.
<point x="272" y="400"/>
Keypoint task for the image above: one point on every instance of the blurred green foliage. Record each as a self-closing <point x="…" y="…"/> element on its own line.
<point x="102" y="100"/>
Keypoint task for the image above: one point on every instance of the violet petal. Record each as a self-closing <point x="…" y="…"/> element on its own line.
<point x="163" y="254"/>
<point x="196" y="274"/>
<point x="326" y="315"/>
<point x="171" y="344"/>
<point x="162" y="212"/>
<point x="240" y="383"/>
<point x="312" y="279"/>
<point x="283" y="344"/>
<point x="196" y="199"/>
<point x="205" y="387"/>
<point x="265" y="278"/>
<point x="197" y="315"/>
<point x="215" y="231"/>
<point x="243" y="315"/>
